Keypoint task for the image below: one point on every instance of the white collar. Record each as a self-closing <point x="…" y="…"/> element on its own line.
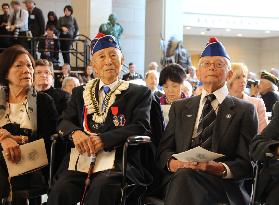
<point x="112" y="85"/>
<point x="220" y="94"/>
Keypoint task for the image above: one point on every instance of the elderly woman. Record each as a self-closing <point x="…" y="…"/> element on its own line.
<point x="25" y="115"/>
<point x="69" y="83"/>
<point x="237" y="84"/>
<point x="171" y="78"/>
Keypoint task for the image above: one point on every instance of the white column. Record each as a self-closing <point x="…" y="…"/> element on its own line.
<point x="163" y="17"/>
<point x="131" y="16"/>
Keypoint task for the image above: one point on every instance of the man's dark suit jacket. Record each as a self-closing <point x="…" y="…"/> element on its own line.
<point x="135" y="104"/>
<point x="266" y="143"/>
<point x="60" y="97"/>
<point x="270" y="99"/>
<point x="36" y="22"/>
<point x="236" y="124"/>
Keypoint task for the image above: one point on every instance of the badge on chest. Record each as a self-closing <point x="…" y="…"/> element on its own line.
<point x="119" y="120"/>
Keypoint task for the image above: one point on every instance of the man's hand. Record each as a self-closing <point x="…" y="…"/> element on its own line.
<point x="175" y="164"/>
<point x="83" y="143"/>
<point x="212" y="167"/>
<point x="11" y="149"/>
<point x="97" y="142"/>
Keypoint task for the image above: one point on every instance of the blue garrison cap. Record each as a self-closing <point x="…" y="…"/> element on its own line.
<point x="215" y="48"/>
<point x="102" y="41"/>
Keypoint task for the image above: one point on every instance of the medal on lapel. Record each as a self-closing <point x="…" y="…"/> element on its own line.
<point x="114" y="111"/>
<point x="118" y="120"/>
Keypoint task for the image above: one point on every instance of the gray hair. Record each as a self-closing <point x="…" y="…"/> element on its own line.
<point x="67" y="79"/>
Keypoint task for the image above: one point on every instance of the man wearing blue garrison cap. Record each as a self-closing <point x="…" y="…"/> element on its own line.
<point x="217" y="122"/>
<point x="100" y="117"/>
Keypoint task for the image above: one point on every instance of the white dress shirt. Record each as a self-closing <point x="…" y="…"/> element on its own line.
<point x="220" y="95"/>
<point x="102" y="93"/>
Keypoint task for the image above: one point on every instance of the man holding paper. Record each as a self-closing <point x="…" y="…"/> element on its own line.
<point x="100" y="117"/>
<point x="216" y="122"/>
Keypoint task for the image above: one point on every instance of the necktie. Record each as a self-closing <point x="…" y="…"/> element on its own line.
<point x="106" y="90"/>
<point x="206" y="124"/>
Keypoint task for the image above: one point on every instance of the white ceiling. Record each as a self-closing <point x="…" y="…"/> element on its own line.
<point x="250" y="18"/>
<point x="229" y="32"/>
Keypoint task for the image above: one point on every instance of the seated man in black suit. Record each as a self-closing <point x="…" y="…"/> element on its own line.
<point x="100" y="116"/>
<point x="216" y="122"/>
<point x="268" y="142"/>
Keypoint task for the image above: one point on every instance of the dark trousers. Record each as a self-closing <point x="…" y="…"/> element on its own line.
<point x="65" y="46"/>
<point x="23" y="182"/>
<point x="104" y="189"/>
<point x="198" y="188"/>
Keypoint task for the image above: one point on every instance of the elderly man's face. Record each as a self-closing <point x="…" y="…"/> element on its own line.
<point x="107" y="64"/>
<point x="213" y="71"/>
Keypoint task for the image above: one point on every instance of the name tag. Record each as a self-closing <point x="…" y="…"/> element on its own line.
<point x="32" y="16"/>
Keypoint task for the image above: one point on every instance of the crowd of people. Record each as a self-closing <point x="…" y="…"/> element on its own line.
<point x="219" y="106"/>
<point x="19" y="25"/>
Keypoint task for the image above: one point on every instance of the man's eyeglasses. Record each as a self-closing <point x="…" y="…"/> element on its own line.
<point x="42" y="73"/>
<point x="217" y="64"/>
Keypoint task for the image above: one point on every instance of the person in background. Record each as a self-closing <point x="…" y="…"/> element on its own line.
<point x="152" y="82"/>
<point x="49" y="46"/>
<point x="18" y="24"/>
<point x="187" y="88"/>
<point x="25" y="116"/>
<point x="268" y="89"/>
<point x="52" y="20"/>
<point x="68" y="28"/>
<point x="171" y="79"/>
<point x="214" y="121"/>
<point x="36" y="19"/>
<point x="264" y="148"/>
<point x="69" y="83"/>
<point x="65" y="72"/>
<point x="132" y="75"/>
<point x="4" y="41"/>
<point x="87" y="75"/>
<point x="44" y="80"/>
<point x="153" y="66"/>
<point x="237" y="84"/>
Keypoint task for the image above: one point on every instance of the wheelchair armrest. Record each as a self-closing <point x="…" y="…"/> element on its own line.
<point x="131" y="141"/>
<point x="137" y="140"/>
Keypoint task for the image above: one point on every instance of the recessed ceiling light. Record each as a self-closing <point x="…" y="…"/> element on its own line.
<point x="239" y="34"/>
<point x="202" y="33"/>
<point x="188" y="27"/>
<point x="228" y="29"/>
<point x="267" y="31"/>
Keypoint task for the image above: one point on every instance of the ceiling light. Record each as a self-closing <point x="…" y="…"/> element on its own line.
<point x="188" y="27"/>
<point x="202" y="33"/>
<point x="267" y="31"/>
<point x="228" y="29"/>
<point x="239" y="34"/>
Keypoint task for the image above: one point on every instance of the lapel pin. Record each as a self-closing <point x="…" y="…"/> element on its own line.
<point x="228" y="116"/>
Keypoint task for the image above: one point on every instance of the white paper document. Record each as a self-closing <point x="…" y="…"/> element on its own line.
<point x="81" y="163"/>
<point x="33" y="156"/>
<point x="166" y="110"/>
<point x="197" y="154"/>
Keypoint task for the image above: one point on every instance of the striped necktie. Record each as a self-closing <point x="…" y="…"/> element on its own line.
<point x="206" y="124"/>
